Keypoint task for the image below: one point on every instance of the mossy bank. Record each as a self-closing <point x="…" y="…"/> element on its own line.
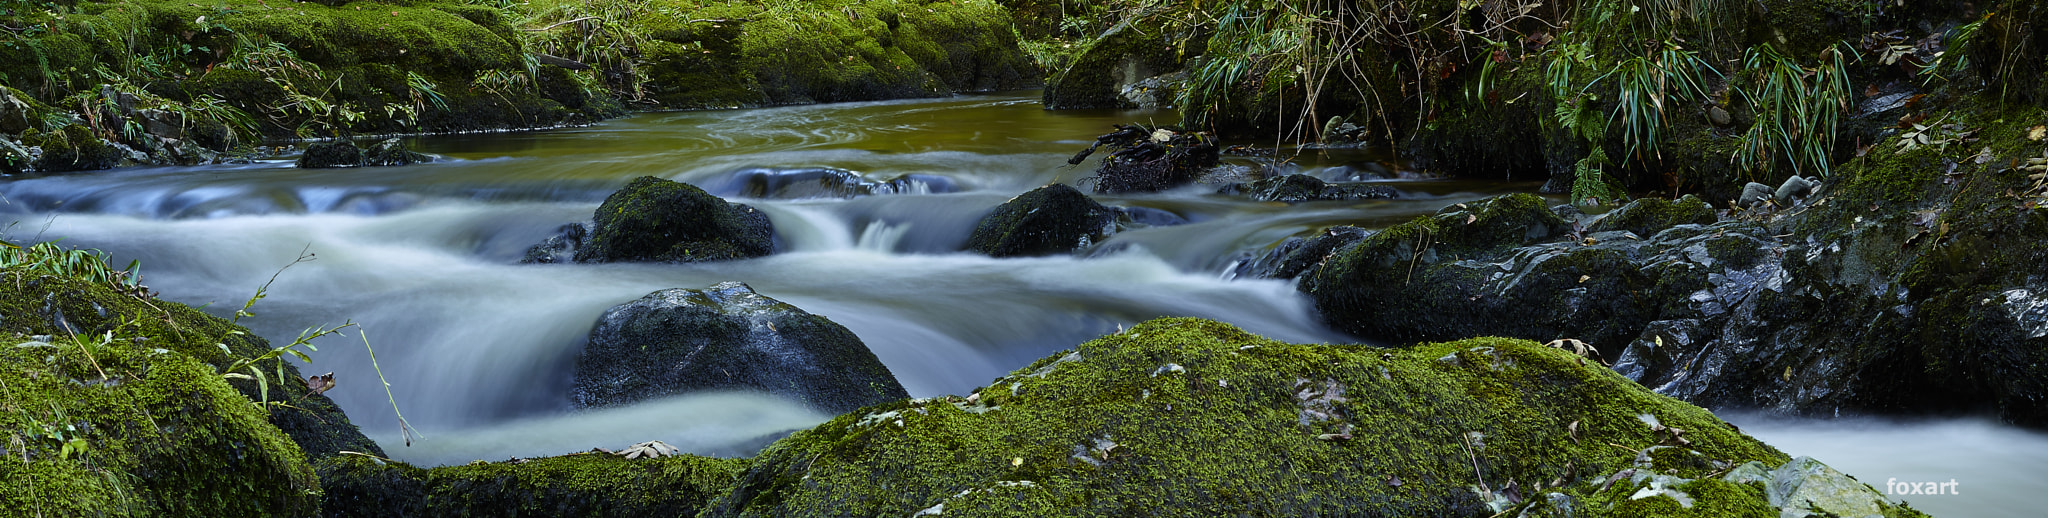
<point x="157" y="81"/>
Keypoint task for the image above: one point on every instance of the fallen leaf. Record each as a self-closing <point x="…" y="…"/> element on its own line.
<point x="2037" y="133"/>
<point x="320" y="383"/>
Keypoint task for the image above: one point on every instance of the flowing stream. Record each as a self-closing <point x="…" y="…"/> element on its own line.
<point x="479" y="350"/>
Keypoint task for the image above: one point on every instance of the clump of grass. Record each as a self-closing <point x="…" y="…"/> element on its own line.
<point x="1797" y="111"/>
<point x="47" y="258"/>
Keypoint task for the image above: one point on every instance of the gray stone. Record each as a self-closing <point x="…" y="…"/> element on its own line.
<point x="727" y="337"/>
<point x="1806" y="487"/>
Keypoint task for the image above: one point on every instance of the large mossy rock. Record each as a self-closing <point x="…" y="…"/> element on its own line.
<point x="727" y="337"/>
<point x="1645" y="217"/>
<point x="113" y="425"/>
<point x="32" y="305"/>
<point x="1121" y="57"/>
<point x="1050" y="220"/>
<point x="1193" y="417"/>
<point x="590" y="484"/>
<point x="73" y="148"/>
<point x="652" y="219"/>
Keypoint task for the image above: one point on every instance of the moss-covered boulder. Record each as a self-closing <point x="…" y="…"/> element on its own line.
<point x="1644" y="217"/>
<point x="590" y="484"/>
<point x="727" y="337"/>
<point x="116" y="425"/>
<point x="74" y="148"/>
<point x="1187" y="416"/>
<point x="34" y="304"/>
<point x="652" y="219"/>
<point x="1054" y="219"/>
<point x="1123" y="56"/>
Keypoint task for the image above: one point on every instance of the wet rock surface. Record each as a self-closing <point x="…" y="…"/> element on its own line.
<point x="653" y="219"/>
<point x="1842" y="304"/>
<point x="826" y="182"/>
<point x="1055" y="219"/>
<point x="727" y="337"/>
<point x="1295" y="188"/>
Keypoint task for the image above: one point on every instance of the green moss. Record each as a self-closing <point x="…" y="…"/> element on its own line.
<point x="652" y="219"/>
<point x="571" y="485"/>
<point x="121" y="427"/>
<point x="1157" y="419"/>
<point x="59" y="306"/>
<point x="1645" y="217"/>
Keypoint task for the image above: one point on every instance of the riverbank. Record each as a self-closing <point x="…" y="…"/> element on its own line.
<point x="94" y="85"/>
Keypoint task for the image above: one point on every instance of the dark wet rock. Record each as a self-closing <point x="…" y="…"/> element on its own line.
<point x="392" y="151"/>
<point x="826" y="182"/>
<point x="73" y="148"/>
<point x="1296" y="254"/>
<point x="15" y="114"/>
<point x="343" y="153"/>
<point x="1117" y="61"/>
<point x="1867" y="299"/>
<point x="1658" y="350"/>
<point x="1342" y="430"/>
<point x="1146" y="159"/>
<point x="727" y="337"/>
<point x="338" y="153"/>
<point x="1296" y="188"/>
<point x="1646" y="216"/>
<point x="558" y="248"/>
<point x="1050" y="220"/>
<point x="1127" y="217"/>
<point x="653" y="219"/>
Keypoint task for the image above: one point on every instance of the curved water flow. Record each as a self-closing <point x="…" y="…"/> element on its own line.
<point x="871" y="203"/>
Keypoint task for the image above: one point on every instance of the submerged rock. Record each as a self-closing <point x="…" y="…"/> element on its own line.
<point x="558" y="248"/>
<point x="826" y="182"/>
<point x="1296" y="188"/>
<point x="653" y="219"/>
<point x="727" y="337"/>
<point x="1054" y="219"/>
<point x="1297" y="254"/>
<point x="1158" y="420"/>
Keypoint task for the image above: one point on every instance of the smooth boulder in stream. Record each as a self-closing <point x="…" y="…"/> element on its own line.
<point x="1050" y="220"/>
<point x="657" y="220"/>
<point x="727" y="337"/>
